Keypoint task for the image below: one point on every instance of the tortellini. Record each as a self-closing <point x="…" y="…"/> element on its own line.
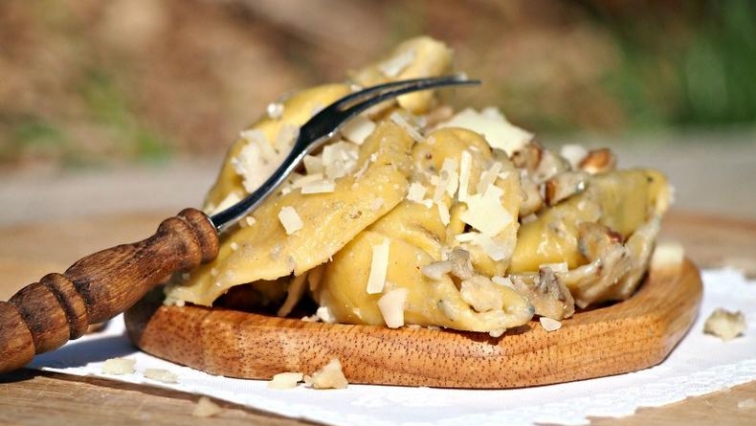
<point x="415" y="216"/>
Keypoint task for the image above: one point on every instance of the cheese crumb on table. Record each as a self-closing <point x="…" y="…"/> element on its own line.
<point x="118" y="366"/>
<point x="725" y="324"/>
<point x="331" y="376"/>
<point x="206" y="408"/>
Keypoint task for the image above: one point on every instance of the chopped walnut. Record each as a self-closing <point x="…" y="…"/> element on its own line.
<point x="598" y="161"/>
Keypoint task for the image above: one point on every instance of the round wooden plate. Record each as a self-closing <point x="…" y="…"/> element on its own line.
<point x="628" y="336"/>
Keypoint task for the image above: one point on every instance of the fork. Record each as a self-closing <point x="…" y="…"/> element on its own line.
<point x="44" y="315"/>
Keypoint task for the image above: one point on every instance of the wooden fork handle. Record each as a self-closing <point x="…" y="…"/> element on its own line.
<point x="44" y="315"/>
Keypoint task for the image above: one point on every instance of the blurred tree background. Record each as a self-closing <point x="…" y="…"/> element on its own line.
<point x="91" y="82"/>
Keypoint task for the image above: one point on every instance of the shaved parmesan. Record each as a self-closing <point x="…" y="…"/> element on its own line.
<point x="443" y="213"/>
<point x="488" y="177"/>
<point x="549" y="324"/>
<point x="325" y="314"/>
<point x="319" y="187"/>
<point x="395" y="65"/>
<point x="402" y="122"/>
<point x="416" y="192"/>
<point x="161" y="375"/>
<point x="275" y="110"/>
<point x="465" y="166"/>
<point x="492" y="124"/>
<point x="118" y="366"/>
<point x="392" y="306"/>
<point x="667" y="255"/>
<point x="447" y="180"/>
<point x="286" y="380"/>
<point x="503" y="281"/>
<point x="331" y="376"/>
<point x="485" y="212"/>
<point x="290" y="220"/>
<point x="358" y="129"/>
<point x="378" y="267"/>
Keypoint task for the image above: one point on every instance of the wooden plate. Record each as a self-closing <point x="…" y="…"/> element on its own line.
<point x="629" y="336"/>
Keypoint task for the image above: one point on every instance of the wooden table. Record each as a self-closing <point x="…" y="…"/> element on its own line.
<point x="30" y="397"/>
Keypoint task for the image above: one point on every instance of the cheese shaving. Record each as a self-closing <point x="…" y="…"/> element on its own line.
<point x="485" y="212"/>
<point x="392" y="306"/>
<point x="395" y="65"/>
<point x="549" y="324"/>
<point x="402" y="122"/>
<point x="286" y="380"/>
<point x="416" y="192"/>
<point x="290" y="220"/>
<point x="275" y="110"/>
<point x="319" y="187"/>
<point x="161" y="375"/>
<point x="358" y="129"/>
<point x="493" y="126"/>
<point x="118" y="366"/>
<point x="378" y="268"/>
<point x="465" y="166"/>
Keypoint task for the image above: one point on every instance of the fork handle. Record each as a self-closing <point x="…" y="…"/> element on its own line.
<point x="44" y="315"/>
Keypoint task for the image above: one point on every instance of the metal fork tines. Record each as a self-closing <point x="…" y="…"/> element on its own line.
<point x="322" y="127"/>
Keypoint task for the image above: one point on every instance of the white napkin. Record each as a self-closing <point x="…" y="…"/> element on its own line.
<point x="700" y="364"/>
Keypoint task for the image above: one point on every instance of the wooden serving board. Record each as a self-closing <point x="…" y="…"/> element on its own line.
<point x="624" y="337"/>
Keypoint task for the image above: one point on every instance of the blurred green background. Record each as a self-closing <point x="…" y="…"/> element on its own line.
<point x="89" y="83"/>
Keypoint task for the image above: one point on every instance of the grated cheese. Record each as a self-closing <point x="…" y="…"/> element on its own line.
<point x="402" y="122"/>
<point x="118" y="366"/>
<point x="485" y="212"/>
<point x="206" y="408"/>
<point x="416" y="192"/>
<point x="275" y="110"/>
<point x="392" y="306"/>
<point x="503" y="281"/>
<point x="325" y="314"/>
<point x="667" y="255"/>
<point x="286" y="380"/>
<point x="549" y="324"/>
<point x="492" y="124"/>
<point x="319" y="187"/>
<point x="161" y="375"/>
<point x="331" y="376"/>
<point x="395" y="65"/>
<point x="488" y="177"/>
<point x="290" y="220"/>
<point x="358" y="129"/>
<point x="465" y="166"/>
<point x="378" y="268"/>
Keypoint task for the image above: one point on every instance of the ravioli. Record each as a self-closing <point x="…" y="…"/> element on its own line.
<point x="417" y="216"/>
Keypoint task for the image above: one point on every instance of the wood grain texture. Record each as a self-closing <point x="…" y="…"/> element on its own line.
<point x="44" y="315"/>
<point x="627" y="336"/>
